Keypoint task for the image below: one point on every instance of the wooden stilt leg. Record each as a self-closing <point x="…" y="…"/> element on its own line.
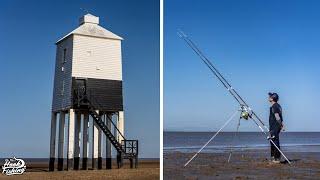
<point x="53" y="140"/>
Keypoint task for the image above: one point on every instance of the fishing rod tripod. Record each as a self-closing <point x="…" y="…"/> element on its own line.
<point x="246" y="112"/>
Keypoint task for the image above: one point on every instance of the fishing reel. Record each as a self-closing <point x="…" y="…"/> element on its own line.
<point x="246" y="112"/>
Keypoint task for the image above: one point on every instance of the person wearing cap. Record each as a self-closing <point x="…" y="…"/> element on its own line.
<point x="275" y="126"/>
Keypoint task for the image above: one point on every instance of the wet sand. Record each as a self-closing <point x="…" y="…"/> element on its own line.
<point x="148" y="169"/>
<point x="243" y="165"/>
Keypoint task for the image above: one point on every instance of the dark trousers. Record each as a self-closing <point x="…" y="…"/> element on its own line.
<point x="274" y="151"/>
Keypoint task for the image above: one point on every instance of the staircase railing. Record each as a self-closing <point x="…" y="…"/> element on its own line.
<point x="93" y="100"/>
<point x="85" y="98"/>
<point x="106" y="130"/>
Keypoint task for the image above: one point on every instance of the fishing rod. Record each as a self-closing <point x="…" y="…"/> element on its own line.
<point x="246" y="111"/>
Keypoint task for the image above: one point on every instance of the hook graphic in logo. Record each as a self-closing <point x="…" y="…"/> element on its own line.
<point x="14" y="166"/>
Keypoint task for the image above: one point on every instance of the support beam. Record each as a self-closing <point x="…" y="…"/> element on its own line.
<point x="71" y="131"/>
<point x="61" y="140"/>
<point x="53" y="140"/>
<point x="95" y="144"/>
<point x="120" y="125"/>
<point x="99" y="147"/>
<point x="77" y="141"/>
<point x="85" y="141"/>
<point x="108" y="143"/>
<point x="103" y="140"/>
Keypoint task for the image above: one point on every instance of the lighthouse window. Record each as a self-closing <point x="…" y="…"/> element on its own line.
<point x="62" y="90"/>
<point x="64" y="58"/>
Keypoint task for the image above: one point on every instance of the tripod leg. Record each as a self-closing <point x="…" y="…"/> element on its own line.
<point x="227" y="122"/>
<point x="235" y="134"/>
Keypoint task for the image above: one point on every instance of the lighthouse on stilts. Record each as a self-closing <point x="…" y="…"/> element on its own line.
<point x="87" y="107"/>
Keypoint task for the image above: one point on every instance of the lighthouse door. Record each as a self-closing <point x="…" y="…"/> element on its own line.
<point x="81" y="86"/>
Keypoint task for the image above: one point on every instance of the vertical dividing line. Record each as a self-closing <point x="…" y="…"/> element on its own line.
<point x="161" y="89"/>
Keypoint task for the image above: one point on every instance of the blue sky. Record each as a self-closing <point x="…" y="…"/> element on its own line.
<point x="28" y="32"/>
<point x="259" y="46"/>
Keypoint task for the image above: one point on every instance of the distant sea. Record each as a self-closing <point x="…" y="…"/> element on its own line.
<point x="226" y="141"/>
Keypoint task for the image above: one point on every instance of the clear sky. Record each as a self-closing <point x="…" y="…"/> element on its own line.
<point x="28" y="32"/>
<point x="259" y="46"/>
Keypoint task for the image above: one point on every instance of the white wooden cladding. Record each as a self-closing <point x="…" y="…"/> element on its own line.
<point x="90" y="52"/>
<point x="85" y="57"/>
<point x="98" y="58"/>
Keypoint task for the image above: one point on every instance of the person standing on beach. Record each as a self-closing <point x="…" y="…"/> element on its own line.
<point x="275" y="126"/>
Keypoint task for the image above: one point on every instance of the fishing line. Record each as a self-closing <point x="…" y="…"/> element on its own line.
<point x="234" y="136"/>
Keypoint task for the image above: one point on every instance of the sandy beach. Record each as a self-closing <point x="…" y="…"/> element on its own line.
<point x="243" y="165"/>
<point x="148" y="169"/>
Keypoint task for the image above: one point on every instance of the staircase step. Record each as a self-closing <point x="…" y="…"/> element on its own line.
<point x="106" y="131"/>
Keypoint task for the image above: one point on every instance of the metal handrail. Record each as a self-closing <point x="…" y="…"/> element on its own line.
<point x="87" y="96"/>
<point x="91" y="99"/>
<point x="117" y="128"/>
<point x="99" y="105"/>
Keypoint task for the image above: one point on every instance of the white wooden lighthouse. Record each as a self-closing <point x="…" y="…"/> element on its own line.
<point x="87" y="99"/>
